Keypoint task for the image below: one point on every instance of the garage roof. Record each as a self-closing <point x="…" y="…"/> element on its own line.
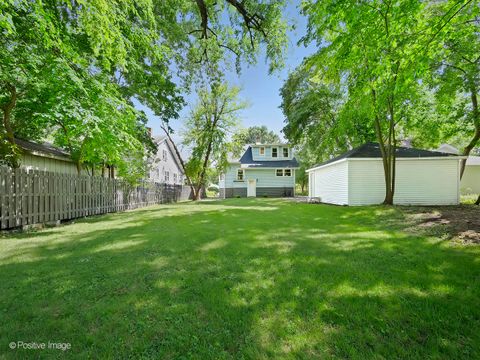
<point x="372" y="150"/>
<point x="45" y="148"/>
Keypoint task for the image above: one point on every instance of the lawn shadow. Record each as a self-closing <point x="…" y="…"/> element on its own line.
<point x="242" y="278"/>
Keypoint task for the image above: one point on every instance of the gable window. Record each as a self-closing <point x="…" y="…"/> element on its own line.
<point x="287" y="172"/>
<point x="240" y="175"/>
<point x="262" y="151"/>
<point x="175" y="178"/>
<point x="279" y="172"/>
<point x="164" y="155"/>
<point x="285" y="152"/>
<point x="274" y="152"/>
<point x="167" y="176"/>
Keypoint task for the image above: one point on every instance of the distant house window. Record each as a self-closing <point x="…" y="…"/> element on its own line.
<point x="167" y="176"/>
<point x="285" y="152"/>
<point x="164" y="155"/>
<point x="175" y="178"/>
<point x="287" y="172"/>
<point x="279" y="172"/>
<point x="240" y="175"/>
<point x="158" y="173"/>
<point x="274" y="152"/>
<point x="262" y="151"/>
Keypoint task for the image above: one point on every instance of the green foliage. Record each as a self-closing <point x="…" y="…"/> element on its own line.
<point x="252" y="135"/>
<point x="69" y="71"/>
<point x="207" y="130"/>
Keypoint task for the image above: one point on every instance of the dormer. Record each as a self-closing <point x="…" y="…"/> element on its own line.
<point x="271" y="152"/>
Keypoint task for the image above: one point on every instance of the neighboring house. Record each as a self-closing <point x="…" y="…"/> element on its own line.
<point x="470" y="183"/>
<point x="165" y="166"/>
<point x="356" y="178"/>
<point x="263" y="170"/>
<point x="45" y="157"/>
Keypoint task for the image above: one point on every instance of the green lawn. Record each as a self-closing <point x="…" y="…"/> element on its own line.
<point x="240" y="279"/>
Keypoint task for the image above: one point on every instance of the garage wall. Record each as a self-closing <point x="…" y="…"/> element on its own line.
<point x="419" y="182"/>
<point x="470" y="183"/>
<point x="330" y="183"/>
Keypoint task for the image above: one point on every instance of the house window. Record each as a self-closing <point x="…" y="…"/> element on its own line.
<point x="167" y="176"/>
<point x="285" y="152"/>
<point x="164" y="155"/>
<point x="287" y="172"/>
<point x="274" y="152"/>
<point x="240" y="175"/>
<point x="262" y="151"/>
<point x="175" y="178"/>
<point x="279" y="172"/>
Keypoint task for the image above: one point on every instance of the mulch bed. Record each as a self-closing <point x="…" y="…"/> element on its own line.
<point x="460" y="223"/>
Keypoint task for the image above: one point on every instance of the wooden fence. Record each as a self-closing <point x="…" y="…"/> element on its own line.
<point x="33" y="197"/>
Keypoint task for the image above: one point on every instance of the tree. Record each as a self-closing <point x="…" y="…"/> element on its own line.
<point x="132" y="51"/>
<point x="252" y="135"/>
<point x="456" y="73"/>
<point x="376" y="50"/>
<point x="318" y="119"/>
<point x="207" y="128"/>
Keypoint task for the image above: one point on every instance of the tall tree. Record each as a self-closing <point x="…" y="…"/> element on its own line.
<point x="376" y="49"/>
<point x="207" y="130"/>
<point x="252" y="135"/>
<point x="455" y="73"/>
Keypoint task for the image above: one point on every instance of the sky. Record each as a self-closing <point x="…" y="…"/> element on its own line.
<point x="259" y="89"/>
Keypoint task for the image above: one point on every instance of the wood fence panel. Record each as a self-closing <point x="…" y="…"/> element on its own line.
<point x="33" y="196"/>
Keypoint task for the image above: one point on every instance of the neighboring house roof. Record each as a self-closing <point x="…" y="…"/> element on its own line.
<point x="45" y="149"/>
<point x="448" y="149"/>
<point x="247" y="160"/>
<point x="159" y="140"/>
<point x="471" y="160"/>
<point x="372" y="150"/>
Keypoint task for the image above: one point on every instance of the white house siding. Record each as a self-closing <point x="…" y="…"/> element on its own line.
<point x="268" y="153"/>
<point x="160" y="167"/>
<point x="418" y="181"/>
<point x="470" y="183"/>
<point x="330" y="183"/>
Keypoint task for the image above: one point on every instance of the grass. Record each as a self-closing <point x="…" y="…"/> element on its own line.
<point x="240" y="278"/>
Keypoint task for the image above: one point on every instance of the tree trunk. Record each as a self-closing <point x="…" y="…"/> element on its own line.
<point x="476" y="135"/>
<point x="201" y="178"/>
<point x="386" y="151"/>
<point x="7" y="112"/>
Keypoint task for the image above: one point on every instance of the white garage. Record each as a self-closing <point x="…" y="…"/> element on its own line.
<point x="423" y="177"/>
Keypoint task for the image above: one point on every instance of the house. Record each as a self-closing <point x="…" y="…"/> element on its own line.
<point x="470" y="183"/>
<point x="45" y="157"/>
<point x="356" y="178"/>
<point x="165" y="166"/>
<point x="263" y="170"/>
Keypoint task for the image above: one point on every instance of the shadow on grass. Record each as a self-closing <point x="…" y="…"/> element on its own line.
<point x="241" y="278"/>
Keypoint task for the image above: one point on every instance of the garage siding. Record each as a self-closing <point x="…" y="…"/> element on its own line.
<point x="470" y="183"/>
<point x="418" y="182"/>
<point x="330" y="183"/>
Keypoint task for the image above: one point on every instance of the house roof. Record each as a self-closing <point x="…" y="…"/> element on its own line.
<point x="471" y="160"/>
<point x="372" y="150"/>
<point x="45" y="149"/>
<point x="247" y="159"/>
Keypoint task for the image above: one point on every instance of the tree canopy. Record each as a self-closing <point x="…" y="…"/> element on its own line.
<point x="370" y="73"/>
<point x="69" y="71"/>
